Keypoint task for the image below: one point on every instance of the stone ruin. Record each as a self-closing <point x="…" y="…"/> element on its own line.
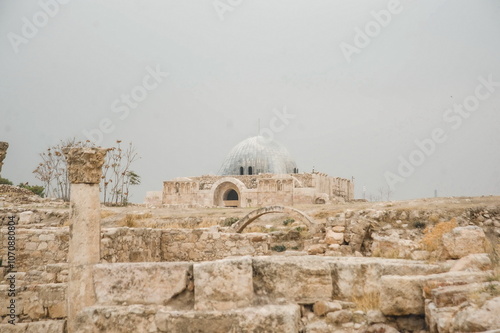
<point x="3" y="153"/>
<point x="356" y="274"/>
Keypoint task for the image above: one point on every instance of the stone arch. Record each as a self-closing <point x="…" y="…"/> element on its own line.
<point x="222" y="189"/>
<point x="253" y="215"/>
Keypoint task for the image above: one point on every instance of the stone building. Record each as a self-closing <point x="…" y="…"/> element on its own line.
<point x="257" y="172"/>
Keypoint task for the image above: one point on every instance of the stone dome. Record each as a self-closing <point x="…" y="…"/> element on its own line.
<point x="258" y="155"/>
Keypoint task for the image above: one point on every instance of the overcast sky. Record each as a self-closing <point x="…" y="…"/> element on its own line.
<point x="359" y="103"/>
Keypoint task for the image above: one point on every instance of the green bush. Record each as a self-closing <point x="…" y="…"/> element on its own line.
<point x="37" y="189"/>
<point x="279" y="248"/>
<point x="419" y="225"/>
<point x="288" y="221"/>
<point x="5" y="181"/>
<point x="229" y="221"/>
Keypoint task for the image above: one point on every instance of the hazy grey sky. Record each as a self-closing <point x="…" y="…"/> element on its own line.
<point x="66" y="64"/>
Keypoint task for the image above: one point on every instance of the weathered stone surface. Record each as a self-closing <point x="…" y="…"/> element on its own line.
<point x="474" y="319"/>
<point x="404" y="295"/>
<point x="36" y="302"/>
<point x="316" y="249"/>
<point x="375" y="317"/>
<point x="355" y="277"/>
<point x="140" y="283"/>
<point x="392" y="247"/>
<point x="223" y="284"/>
<point x="321" y="308"/>
<point x="299" y="279"/>
<point x="333" y="237"/>
<point x="268" y="318"/>
<point x="339" y="317"/>
<point x="116" y="319"/>
<point x="46" y="326"/>
<point x="140" y="318"/>
<point x="463" y="241"/>
<point x="472" y="263"/>
<point x="84" y="164"/>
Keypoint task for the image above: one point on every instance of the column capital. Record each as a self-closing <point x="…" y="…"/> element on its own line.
<point x="84" y="164"/>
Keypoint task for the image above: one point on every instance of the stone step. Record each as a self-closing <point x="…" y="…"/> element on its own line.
<point x="153" y="319"/>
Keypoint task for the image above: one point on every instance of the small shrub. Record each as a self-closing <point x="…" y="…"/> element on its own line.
<point x="5" y="181"/>
<point x="419" y="225"/>
<point x="279" y="248"/>
<point x="36" y="189"/>
<point x="295" y="248"/>
<point x="288" y="221"/>
<point x="229" y="221"/>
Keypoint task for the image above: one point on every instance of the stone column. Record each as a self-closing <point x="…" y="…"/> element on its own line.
<point x="84" y="172"/>
<point x="3" y="152"/>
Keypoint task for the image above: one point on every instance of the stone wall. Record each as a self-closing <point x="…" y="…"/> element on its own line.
<point x="40" y="247"/>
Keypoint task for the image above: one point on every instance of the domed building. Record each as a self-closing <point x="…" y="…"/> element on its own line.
<point x="257" y="155"/>
<point x="257" y="172"/>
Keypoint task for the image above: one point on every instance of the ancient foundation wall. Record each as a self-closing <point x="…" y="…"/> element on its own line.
<point x="39" y="247"/>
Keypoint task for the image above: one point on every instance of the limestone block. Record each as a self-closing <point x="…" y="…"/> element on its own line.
<point x="223" y="284"/>
<point x="339" y="317"/>
<point x="375" y="317"/>
<point x="439" y="320"/>
<point x="316" y="249"/>
<point x="478" y="319"/>
<point x="404" y="295"/>
<point x="355" y="277"/>
<point x="116" y="319"/>
<point x="301" y="279"/>
<point x="45" y="326"/>
<point x="26" y="217"/>
<point x="140" y="283"/>
<point x="268" y="318"/>
<point x="321" y="308"/>
<point x="140" y="318"/>
<point x="472" y="263"/>
<point x="338" y="228"/>
<point x="463" y="241"/>
<point x="333" y="237"/>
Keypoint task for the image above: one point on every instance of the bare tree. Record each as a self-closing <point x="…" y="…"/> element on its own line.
<point x="117" y="176"/>
<point x="52" y="171"/>
<point x="115" y="181"/>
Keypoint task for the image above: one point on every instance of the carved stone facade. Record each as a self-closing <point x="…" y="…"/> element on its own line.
<point x="257" y="172"/>
<point x="3" y="153"/>
<point x="256" y="190"/>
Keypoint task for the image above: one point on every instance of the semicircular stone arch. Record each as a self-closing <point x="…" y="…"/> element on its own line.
<point x="242" y="223"/>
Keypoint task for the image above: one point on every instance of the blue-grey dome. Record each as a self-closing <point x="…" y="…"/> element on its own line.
<point x="258" y="155"/>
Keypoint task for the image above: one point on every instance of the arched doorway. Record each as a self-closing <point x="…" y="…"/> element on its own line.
<point x="227" y="194"/>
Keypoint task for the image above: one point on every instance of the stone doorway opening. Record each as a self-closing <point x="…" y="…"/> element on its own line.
<point x="227" y="195"/>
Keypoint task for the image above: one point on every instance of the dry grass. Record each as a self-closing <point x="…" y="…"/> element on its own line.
<point x="106" y="213"/>
<point x="131" y="220"/>
<point x="432" y="240"/>
<point x="367" y="301"/>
